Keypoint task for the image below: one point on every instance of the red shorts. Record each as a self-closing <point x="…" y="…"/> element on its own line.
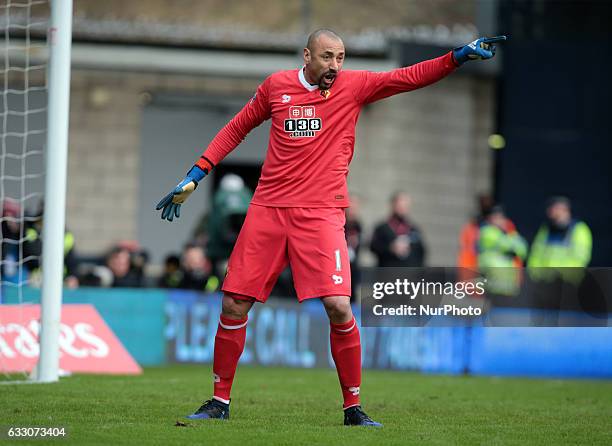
<point x="311" y="240"/>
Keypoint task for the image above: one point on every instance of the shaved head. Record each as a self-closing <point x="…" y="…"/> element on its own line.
<point x="314" y="36"/>
<point x="323" y="58"/>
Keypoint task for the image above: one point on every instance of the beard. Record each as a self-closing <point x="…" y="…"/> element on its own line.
<point x="327" y="79"/>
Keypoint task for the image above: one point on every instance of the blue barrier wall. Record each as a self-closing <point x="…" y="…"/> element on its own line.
<point x="158" y="326"/>
<point x="284" y="333"/>
<point x="547" y="352"/>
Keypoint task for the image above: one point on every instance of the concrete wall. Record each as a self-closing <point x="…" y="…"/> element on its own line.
<point x="105" y="142"/>
<point x="431" y="143"/>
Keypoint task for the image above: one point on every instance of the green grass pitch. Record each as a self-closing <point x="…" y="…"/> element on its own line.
<point x="302" y="407"/>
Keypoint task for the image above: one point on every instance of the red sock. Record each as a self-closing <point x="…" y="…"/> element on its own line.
<point x="229" y="344"/>
<point x="346" y="351"/>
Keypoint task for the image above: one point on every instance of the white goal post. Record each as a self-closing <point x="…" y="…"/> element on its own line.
<point x="35" y="80"/>
<point x="59" y="39"/>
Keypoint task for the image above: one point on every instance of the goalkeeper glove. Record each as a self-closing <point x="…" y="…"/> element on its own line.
<point x="171" y="203"/>
<point x="482" y="48"/>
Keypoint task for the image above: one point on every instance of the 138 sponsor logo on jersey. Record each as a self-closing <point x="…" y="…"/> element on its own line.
<point x="302" y="121"/>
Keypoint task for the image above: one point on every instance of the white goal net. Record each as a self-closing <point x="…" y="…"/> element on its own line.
<point x="25" y="154"/>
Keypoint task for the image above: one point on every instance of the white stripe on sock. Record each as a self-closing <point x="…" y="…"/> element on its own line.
<point x="221" y="399"/>
<point x="232" y="327"/>
<point x="347" y="330"/>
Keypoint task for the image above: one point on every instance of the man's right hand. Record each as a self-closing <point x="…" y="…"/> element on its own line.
<point x="171" y="203"/>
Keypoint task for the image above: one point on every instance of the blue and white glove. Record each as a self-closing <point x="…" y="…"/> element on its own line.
<point x="171" y="203"/>
<point x="482" y="48"/>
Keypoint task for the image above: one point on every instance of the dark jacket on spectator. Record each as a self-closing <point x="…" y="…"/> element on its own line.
<point x="386" y="233"/>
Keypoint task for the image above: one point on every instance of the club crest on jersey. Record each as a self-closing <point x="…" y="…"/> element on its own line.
<point x="325" y="94"/>
<point x="302" y="122"/>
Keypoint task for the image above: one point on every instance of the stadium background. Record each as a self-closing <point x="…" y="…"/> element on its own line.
<point x="153" y="81"/>
<point x="152" y="85"/>
<point x="147" y="94"/>
<point x="141" y="108"/>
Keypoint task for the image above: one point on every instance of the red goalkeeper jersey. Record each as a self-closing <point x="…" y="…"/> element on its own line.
<point x="312" y="136"/>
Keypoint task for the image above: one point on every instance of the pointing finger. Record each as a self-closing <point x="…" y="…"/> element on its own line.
<point x="494" y="39"/>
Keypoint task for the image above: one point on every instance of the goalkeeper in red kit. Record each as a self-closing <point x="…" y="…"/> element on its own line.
<point x="296" y="216"/>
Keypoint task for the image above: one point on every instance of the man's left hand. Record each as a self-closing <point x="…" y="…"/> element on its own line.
<point x="482" y="48"/>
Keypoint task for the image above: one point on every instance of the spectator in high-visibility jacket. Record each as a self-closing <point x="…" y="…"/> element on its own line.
<point x="498" y="247"/>
<point x="467" y="259"/>
<point x="468" y="237"/>
<point x="32" y="251"/>
<point x="561" y="242"/>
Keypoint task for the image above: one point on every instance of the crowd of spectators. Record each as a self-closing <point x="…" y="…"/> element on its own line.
<point x="488" y="240"/>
